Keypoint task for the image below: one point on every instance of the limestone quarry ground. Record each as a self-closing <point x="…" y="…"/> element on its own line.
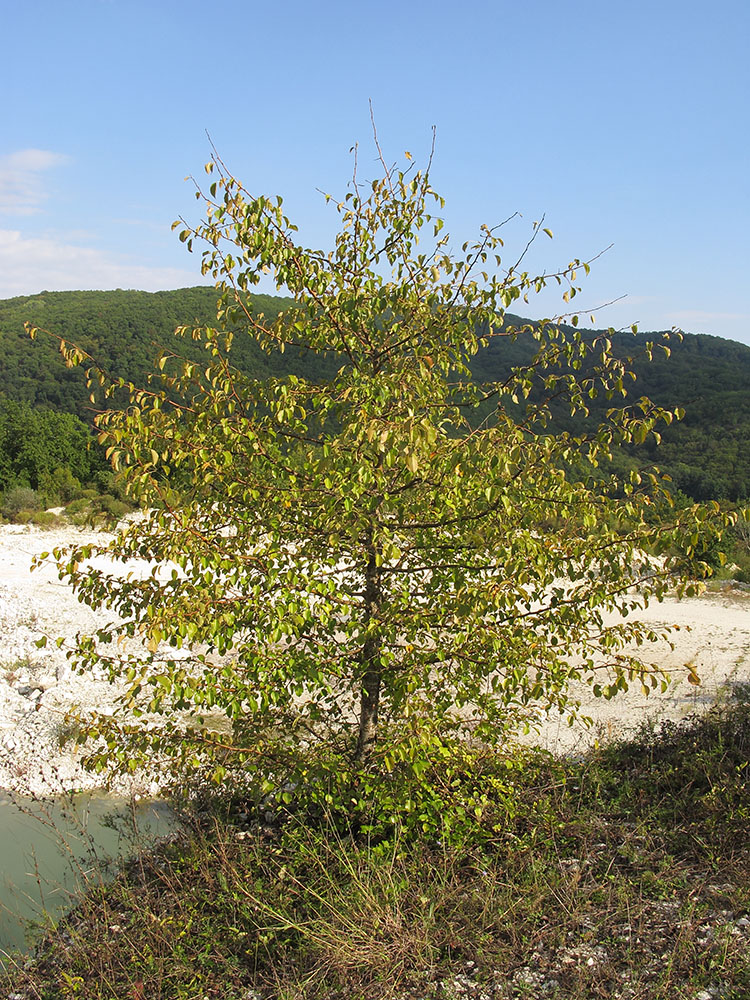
<point x="38" y="686"/>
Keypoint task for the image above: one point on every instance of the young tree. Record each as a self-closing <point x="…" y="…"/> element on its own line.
<point x="353" y="574"/>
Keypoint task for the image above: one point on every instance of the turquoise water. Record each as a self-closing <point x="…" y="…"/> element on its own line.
<point x="49" y="851"/>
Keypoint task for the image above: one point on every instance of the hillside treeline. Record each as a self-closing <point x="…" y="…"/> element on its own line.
<point x="45" y="407"/>
<point x="124" y="332"/>
<point x="707" y="453"/>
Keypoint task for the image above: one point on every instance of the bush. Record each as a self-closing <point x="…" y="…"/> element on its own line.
<point x="59" y="487"/>
<point x="78" y="506"/>
<point x="106" y="482"/>
<point x="112" y="508"/>
<point x="42" y="518"/>
<point x="18" y="499"/>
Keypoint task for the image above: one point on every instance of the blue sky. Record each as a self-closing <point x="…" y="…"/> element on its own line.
<point x="624" y="124"/>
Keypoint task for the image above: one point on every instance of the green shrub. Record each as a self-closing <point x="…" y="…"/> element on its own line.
<point x="42" y="518"/>
<point x="18" y="499"/>
<point x="78" y="506"/>
<point x="113" y="508"/>
<point x="59" y="487"/>
<point x="94" y="509"/>
<point x="106" y="482"/>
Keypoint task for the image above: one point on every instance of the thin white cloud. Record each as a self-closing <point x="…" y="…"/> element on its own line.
<point x="731" y="325"/>
<point x="31" y="264"/>
<point x="700" y="316"/>
<point x="22" y="190"/>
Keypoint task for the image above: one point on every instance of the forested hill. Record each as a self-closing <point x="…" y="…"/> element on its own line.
<point x="124" y="331"/>
<point x="707" y="454"/>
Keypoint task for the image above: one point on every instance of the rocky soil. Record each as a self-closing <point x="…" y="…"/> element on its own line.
<point x="38" y="686"/>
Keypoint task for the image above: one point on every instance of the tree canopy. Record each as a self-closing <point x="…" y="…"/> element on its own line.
<point x="355" y="577"/>
<point x="35" y="443"/>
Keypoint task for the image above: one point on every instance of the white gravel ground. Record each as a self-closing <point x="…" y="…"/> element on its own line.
<point x="713" y="638"/>
<point x="37" y="686"/>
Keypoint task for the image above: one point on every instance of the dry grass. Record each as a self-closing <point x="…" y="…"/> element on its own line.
<point x="624" y="875"/>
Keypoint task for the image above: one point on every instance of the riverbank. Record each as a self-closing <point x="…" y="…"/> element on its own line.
<point x="38" y="686"/>
<point x="53" y="850"/>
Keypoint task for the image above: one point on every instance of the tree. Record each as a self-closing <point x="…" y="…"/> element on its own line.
<point x="358" y="574"/>
<point x="35" y="443"/>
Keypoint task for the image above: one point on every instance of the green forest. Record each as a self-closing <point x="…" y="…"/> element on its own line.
<point x="45" y="407"/>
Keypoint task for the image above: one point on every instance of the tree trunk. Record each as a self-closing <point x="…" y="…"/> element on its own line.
<point x="370" y="660"/>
